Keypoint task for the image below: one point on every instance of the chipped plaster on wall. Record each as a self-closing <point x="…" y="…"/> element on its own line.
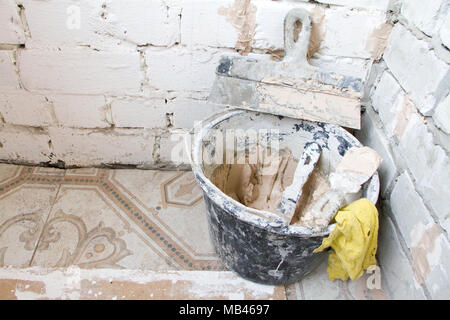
<point x="242" y="16"/>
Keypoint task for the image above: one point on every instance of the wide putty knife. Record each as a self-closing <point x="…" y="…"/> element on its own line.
<point x="291" y="87"/>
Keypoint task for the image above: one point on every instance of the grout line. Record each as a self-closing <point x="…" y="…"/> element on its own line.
<point x="46" y="220"/>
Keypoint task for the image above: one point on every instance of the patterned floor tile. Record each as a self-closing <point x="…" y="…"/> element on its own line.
<point x="107" y="284"/>
<point x="127" y="219"/>
<point x="25" y="204"/>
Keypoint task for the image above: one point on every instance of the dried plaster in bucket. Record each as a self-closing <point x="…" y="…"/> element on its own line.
<point x="260" y="185"/>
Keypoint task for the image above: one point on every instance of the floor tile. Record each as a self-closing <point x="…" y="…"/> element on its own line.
<point x="130" y="219"/>
<point x="24" y="207"/>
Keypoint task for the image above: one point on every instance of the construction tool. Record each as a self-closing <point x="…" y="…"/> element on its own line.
<point x="356" y="167"/>
<point x="291" y="195"/>
<point x="291" y="87"/>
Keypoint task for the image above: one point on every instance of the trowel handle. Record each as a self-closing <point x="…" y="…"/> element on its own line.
<point x="296" y="51"/>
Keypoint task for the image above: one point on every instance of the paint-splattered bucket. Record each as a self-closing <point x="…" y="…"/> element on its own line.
<point x="245" y="239"/>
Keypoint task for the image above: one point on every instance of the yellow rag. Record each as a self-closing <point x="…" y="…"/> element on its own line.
<point x="353" y="240"/>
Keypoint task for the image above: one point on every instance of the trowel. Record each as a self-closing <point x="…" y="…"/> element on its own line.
<point x="291" y="87"/>
<point x="291" y="195"/>
<point x="356" y="167"/>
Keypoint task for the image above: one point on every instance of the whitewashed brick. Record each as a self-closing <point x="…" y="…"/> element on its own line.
<point x="408" y="207"/>
<point x="8" y="76"/>
<point x="82" y="147"/>
<point x="172" y="148"/>
<point x="439" y="260"/>
<point x="81" y="111"/>
<point x="11" y="28"/>
<point x="429" y="81"/>
<point x="139" y="113"/>
<point x="26" y="109"/>
<point x="386" y="92"/>
<point x="383" y="5"/>
<point x="102" y="23"/>
<point x="396" y="271"/>
<point x="144" y="22"/>
<point x="80" y="71"/>
<point x="202" y="24"/>
<point x="444" y="32"/>
<point x="429" y="165"/>
<point x="422" y="14"/>
<point x="181" y="69"/>
<point x="161" y="113"/>
<point x="441" y="115"/>
<point x="350" y="33"/>
<point x="27" y="145"/>
<point x="372" y="136"/>
<point x="186" y="112"/>
<point x="55" y="29"/>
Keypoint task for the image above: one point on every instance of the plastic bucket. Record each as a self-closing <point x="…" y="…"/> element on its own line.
<point x="245" y="240"/>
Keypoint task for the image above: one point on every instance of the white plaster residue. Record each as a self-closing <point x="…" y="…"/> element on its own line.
<point x="65" y="283"/>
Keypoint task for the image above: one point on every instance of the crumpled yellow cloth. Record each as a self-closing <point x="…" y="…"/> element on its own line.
<point x="353" y="241"/>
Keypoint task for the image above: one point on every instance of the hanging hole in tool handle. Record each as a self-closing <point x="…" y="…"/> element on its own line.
<point x="297" y="51"/>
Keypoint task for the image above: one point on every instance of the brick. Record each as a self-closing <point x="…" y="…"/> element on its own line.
<point x="26" y="109"/>
<point x="202" y="24"/>
<point x="80" y="71"/>
<point x="144" y="22"/>
<point x="351" y="33"/>
<point x="396" y="271"/>
<point x="429" y="165"/>
<point x="181" y="69"/>
<point x="81" y="111"/>
<point x="186" y="112"/>
<point x="11" y="28"/>
<point x="441" y="115"/>
<point x="408" y="207"/>
<point x="8" y="79"/>
<point x="139" y="113"/>
<point x="161" y="113"/>
<point x="444" y="32"/>
<point x="422" y="14"/>
<point x="102" y="23"/>
<point x="429" y="81"/>
<point x="172" y="148"/>
<point x="84" y="147"/>
<point x="24" y="145"/>
<point x="385" y="100"/>
<point x="56" y="29"/>
<point x="383" y="5"/>
<point x="430" y="259"/>
<point x="439" y="261"/>
<point x="372" y="136"/>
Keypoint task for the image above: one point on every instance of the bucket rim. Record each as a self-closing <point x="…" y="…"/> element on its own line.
<point x="260" y="218"/>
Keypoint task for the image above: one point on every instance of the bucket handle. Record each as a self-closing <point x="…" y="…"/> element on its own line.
<point x="297" y="51"/>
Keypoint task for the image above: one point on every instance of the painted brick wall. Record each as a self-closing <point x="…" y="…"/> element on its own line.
<point x="407" y="120"/>
<point x="83" y="82"/>
<point x="113" y="86"/>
